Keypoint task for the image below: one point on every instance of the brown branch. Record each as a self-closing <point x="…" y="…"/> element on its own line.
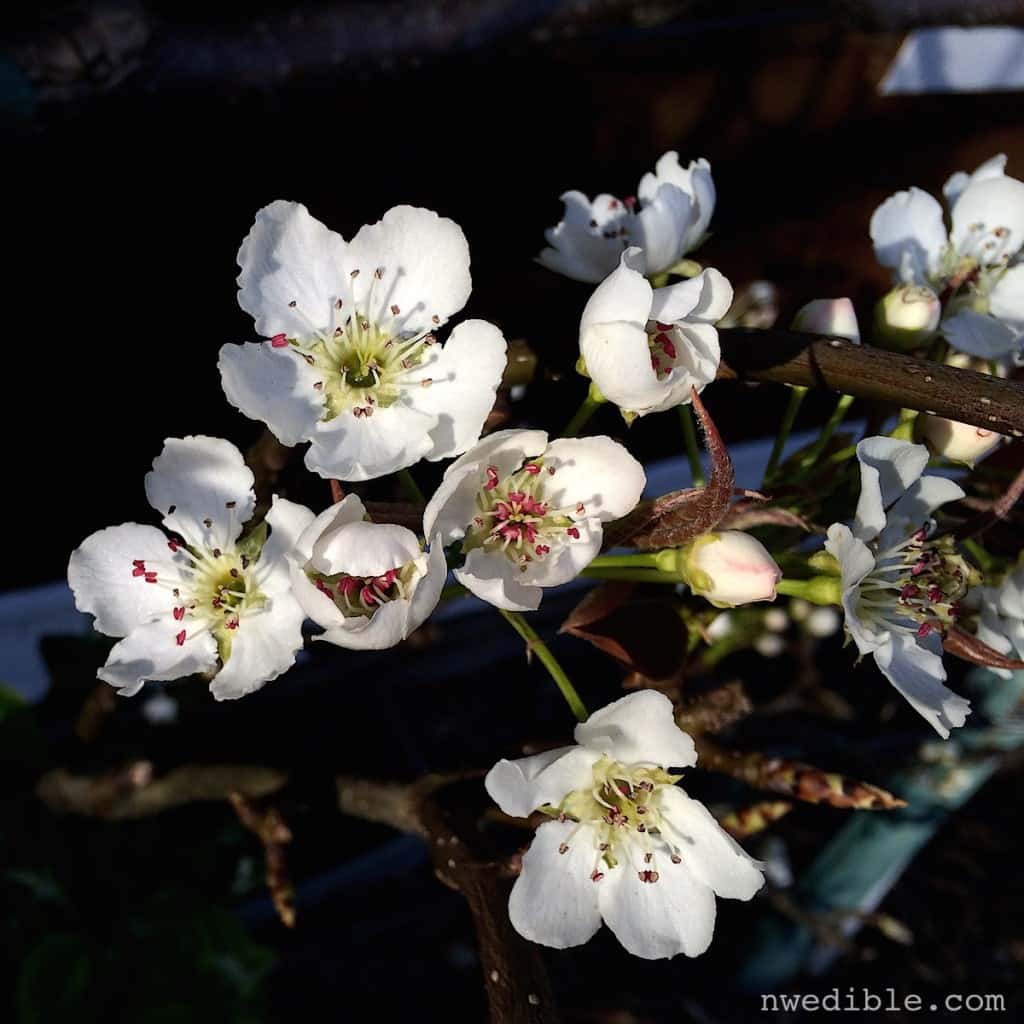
<point x="834" y="364"/>
<point x="270" y="828"/>
<point x="997" y="511"/>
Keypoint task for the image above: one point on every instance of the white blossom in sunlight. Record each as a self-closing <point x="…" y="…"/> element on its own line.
<point x="1001" y="618"/>
<point x="668" y="218"/>
<point x="352" y="364"/>
<point x="200" y="597"/>
<point x="529" y="513"/>
<point x="625" y="844"/>
<point x="974" y="267"/>
<point x="368" y="584"/>
<point x="900" y="589"/>
<point x="646" y="348"/>
<point x="730" y="568"/>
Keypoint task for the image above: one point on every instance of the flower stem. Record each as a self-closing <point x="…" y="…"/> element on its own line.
<point x="627" y="574"/>
<point x="642" y="559"/>
<point x="904" y="429"/>
<point x="692" y="447"/>
<point x="588" y="407"/>
<point x="838" y="414"/>
<point x="796" y="397"/>
<point x="410" y="488"/>
<point x="535" y="645"/>
<point x="817" y="590"/>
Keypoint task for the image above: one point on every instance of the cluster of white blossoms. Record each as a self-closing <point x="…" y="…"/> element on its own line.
<point x="974" y="267"/>
<point x="352" y="364"/>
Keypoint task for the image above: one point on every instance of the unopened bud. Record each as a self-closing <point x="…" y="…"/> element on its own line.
<point x="828" y="316"/>
<point x="906" y="317"/>
<point x="730" y="568"/>
<point x="958" y="442"/>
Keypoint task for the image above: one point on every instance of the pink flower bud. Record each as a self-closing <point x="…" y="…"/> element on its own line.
<point x="731" y="568"/>
<point x="828" y="316"/>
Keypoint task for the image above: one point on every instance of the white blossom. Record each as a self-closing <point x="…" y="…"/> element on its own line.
<point x="352" y="363"/>
<point x="1001" y="618"/>
<point x="646" y="348"/>
<point x="667" y="218"/>
<point x="529" y="514"/>
<point x="626" y="845"/>
<point x="198" y="598"/>
<point x="899" y="588"/>
<point x="369" y="585"/>
<point x="731" y="568"/>
<point x="975" y="265"/>
<point x="828" y="316"/>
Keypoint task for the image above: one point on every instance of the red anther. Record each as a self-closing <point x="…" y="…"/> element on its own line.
<point x="573" y="532"/>
<point x="151" y="577"/>
<point x="232" y="624"/>
<point x="924" y="630"/>
<point x="492" y="478"/>
<point x="179" y="614"/>
<point x="935" y="595"/>
<point x="173" y="544"/>
<point x="139" y="563"/>
<point x="367" y="596"/>
<point x="347" y="584"/>
<point x="613" y="204"/>
<point x="920" y="566"/>
<point x="563" y="847"/>
<point x="676" y="859"/>
<point x="667" y="346"/>
<point x="581" y="509"/>
<point x="138" y="571"/>
<point x="655" y="362"/>
<point x="279" y="340"/>
<point x="179" y="638"/>
<point x="629" y="202"/>
<point x="532" y="468"/>
<point x="909" y="591"/>
<point x="597" y="876"/>
<point x="662" y="327"/>
<point x="954" y="611"/>
<point x="551" y="470"/>
<point x="541" y="549"/>
<point x="517" y="497"/>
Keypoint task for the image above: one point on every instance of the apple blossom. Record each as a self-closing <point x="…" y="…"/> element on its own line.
<point x="974" y="267"/>
<point x="900" y="588"/>
<point x="352" y="364"/>
<point x="198" y="598"/>
<point x="828" y="316"/>
<point x="529" y="513"/>
<point x="368" y="584"/>
<point x="646" y="348"/>
<point x="626" y="845"/>
<point x="668" y="218"/>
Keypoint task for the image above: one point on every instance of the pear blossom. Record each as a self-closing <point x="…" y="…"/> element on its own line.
<point x="200" y="597"/>
<point x="1001" y="618"/>
<point x="529" y="513"/>
<point x="668" y="218"/>
<point x="625" y="844"/>
<point x="828" y="316"/>
<point x="974" y="267"/>
<point x="352" y="364"/>
<point x="730" y="568"/>
<point x="368" y="584"/>
<point x="646" y="348"/>
<point x="900" y="587"/>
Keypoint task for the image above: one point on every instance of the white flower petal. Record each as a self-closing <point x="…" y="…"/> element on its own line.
<point x="956" y="183"/>
<point x="618" y="360"/>
<point x="992" y="631"/>
<point x="595" y="471"/>
<point x="452" y="506"/>
<point x="200" y="480"/>
<point x="706" y="297"/>
<point x="639" y="727"/>
<point x="695" y="180"/>
<point x="287" y="521"/>
<point x="996" y="202"/>
<point x="554" y="902"/>
<point x="495" y="579"/>
<point x="262" y="648"/>
<point x="915" y="507"/>
<point x="463" y="382"/>
<point x="292" y="271"/>
<point x="1011" y="594"/>
<point x="274" y="386"/>
<point x="101" y="570"/>
<point x="349" y="510"/>
<point x="526" y="784"/>
<point x="317" y="606"/>
<point x="566" y="562"/>
<point x="907" y="230"/>
<point x="712" y="855"/>
<point x="151" y="652"/>
<point x="624" y="295"/>
<point x="366" y="447"/>
<point x="918" y="673"/>
<point x="424" y="263"/>
<point x="657" y="920"/>
<point x="385" y="628"/>
<point x="887" y="468"/>
<point x="364" y="549"/>
<point x="1006" y="300"/>
<point x="979" y="334"/>
<point x="662" y="227"/>
<point x="586" y="244"/>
